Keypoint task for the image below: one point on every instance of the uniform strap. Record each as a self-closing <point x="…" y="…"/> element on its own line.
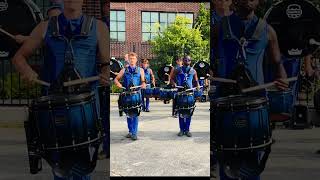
<point x="259" y="28"/>
<point x="53" y="22"/>
<point x="86" y="25"/>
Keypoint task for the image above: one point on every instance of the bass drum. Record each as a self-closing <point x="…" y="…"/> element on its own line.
<point x="164" y="72"/>
<point x="115" y="67"/>
<point x="16" y="17"/>
<point x="202" y="69"/>
<point x="295" y="22"/>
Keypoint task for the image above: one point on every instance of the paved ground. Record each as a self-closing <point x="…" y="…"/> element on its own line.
<point x="159" y="151"/>
<point x="14" y="162"/>
<point x="293" y="155"/>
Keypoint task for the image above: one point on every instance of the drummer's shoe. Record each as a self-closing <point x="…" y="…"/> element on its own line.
<point x="147" y="110"/>
<point x="180" y="133"/>
<point x="188" y="133"/>
<point x="134" y="137"/>
<point x="129" y="135"/>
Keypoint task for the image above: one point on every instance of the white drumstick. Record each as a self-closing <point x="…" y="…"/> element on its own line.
<point x="81" y="81"/>
<point x="135" y="87"/>
<point x="41" y="82"/>
<point x="264" y="86"/>
<point x="6" y="33"/>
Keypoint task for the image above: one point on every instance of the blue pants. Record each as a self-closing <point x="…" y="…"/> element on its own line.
<point x="184" y="124"/>
<point x="133" y="125"/>
<point x="145" y="103"/>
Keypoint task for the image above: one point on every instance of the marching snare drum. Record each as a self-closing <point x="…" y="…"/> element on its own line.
<point x="131" y="103"/>
<point x="185" y="103"/>
<point x="280" y="101"/>
<point x="241" y="123"/>
<point x="167" y="94"/>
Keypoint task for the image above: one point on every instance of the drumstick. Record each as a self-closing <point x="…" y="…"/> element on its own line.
<point x="6" y="33"/>
<point x="41" y="82"/>
<point x="135" y="87"/>
<point x="222" y="80"/>
<point x="81" y="81"/>
<point x="264" y="86"/>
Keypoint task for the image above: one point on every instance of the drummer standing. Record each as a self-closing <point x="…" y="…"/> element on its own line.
<point x="133" y="76"/>
<point x="148" y="73"/>
<point x="264" y="41"/>
<point x="87" y="50"/>
<point x="185" y="76"/>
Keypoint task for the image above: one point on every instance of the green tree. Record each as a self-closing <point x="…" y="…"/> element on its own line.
<point x="180" y="39"/>
<point x="203" y="21"/>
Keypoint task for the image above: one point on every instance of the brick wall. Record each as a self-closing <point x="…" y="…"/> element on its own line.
<point x="133" y="25"/>
<point x="133" y="14"/>
<point x="93" y="7"/>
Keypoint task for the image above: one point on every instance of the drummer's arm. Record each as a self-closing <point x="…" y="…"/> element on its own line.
<point x="27" y="49"/>
<point x="104" y="53"/>
<point x="153" y="78"/>
<point x="117" y="79"/>
<point x="196" y="79"/>
<point x="143" y="79"/>
<point x="172" y="77"/>
<point x="309" y="70"/>
<point x="274" y="54"/>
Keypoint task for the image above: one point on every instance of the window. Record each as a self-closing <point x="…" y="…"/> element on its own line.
<point x="117" y="25"/>
<point x="151" y="19"/>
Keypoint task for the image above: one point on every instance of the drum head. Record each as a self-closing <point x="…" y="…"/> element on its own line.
<point x="61" y="99"/>
<point x="202" y="68"/>
<point x="16" y="17"/>
<point x="115" y="66"/>
<point x="238" y="102"/>
<point x="164" y="72"/>
<point x="295" y="22"/>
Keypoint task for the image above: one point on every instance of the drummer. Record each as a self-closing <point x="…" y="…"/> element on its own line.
<point x="184" y="76"/>
<point x="148" y="73"/>
<point x="70" y="23"/>
<point x="133" y="76"/>
<point x="266" y="42"/>
<point x="55" y="9"/>
<point x="179" y="64"/>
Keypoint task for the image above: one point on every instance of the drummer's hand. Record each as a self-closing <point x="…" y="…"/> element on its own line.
<point x="281" y="84"/>
<point x="29" y="77"/>
<point x="143" y="85"/>
<point x="198" y="87"/>
<point x="20" y="38"/>
<point x="104" y="79"/>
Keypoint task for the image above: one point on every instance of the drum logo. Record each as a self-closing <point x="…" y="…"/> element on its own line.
<point x="3" y="5"/>
<point x="241" y="123"/>
<point x="202" y="65"/>
<point x="294" y="11"/>
<point x="166" y="69"/>
<point x="295" y="52"/>
<point x="4" y="54"/>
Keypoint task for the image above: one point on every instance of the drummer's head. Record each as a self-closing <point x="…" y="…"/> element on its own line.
<point x="186" y="60"/>
<point x="145" y="63"/>
<point x="179" y="61"/>
<point x="74" y="5"/>
<point x="133" y="58"/>
<point x="222" y="5"/>
<point x="246" y="7"/>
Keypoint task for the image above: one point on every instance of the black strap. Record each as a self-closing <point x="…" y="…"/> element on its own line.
<point x="55" y="25"/>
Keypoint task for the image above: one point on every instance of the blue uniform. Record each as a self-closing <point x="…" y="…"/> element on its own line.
<point x="230" y="30"/>
<point x="84" y="50"/>
<point x="184" y="77"/>
<point x="147" y="75"/>
<point x="132" y="77"/>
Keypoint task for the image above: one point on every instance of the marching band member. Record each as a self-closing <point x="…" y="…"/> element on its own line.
<point x="179" y="64"/>
<point x="148" y="73"/>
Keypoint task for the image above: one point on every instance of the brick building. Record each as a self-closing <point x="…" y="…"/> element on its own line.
<point x="133" y="24"/>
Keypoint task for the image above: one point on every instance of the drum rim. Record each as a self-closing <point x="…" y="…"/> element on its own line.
<point x="72" y="99"/>
<point x="264" y="145"/>
<point x="259" y="101"/>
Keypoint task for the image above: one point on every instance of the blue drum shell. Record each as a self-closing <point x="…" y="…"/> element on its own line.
<point x="156" y="92"/>
<point x="148" y="92"/>
<point x="280" y="101"/>
<point x="243" y="124"/>
<point x="198" y="93"/>
<point x="67" y="121"/>
<point x="167" y="94"/>
<point x="131" y="99"/>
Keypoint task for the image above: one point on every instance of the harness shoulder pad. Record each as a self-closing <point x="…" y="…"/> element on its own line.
<point x="53" y="23"/>
<point x="225" y="23"/>
<point x="259" y="28"/>
<point x="86" y="25"/>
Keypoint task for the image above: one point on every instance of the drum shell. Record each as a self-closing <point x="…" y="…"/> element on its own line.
<point x="148" y="92"/>
<point x="156" y="92"/>
<point x="198" y="93"/>
<point x="167" y="94"/>
<point x="280" y="101"/>
<point x="131" y="103"/>
<point x="67" y="125"/>
<point x="185" y="104"/>
<point x="241" y="128"/>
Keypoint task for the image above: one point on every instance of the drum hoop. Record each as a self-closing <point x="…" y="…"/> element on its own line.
<point x="245" y="148"/>
<point x="76" y="145"/>
<point x="125" y="93"/>
<point x="75" y="100"/>
<point x="259" y="103"/>
<point x="183" y="108"/>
